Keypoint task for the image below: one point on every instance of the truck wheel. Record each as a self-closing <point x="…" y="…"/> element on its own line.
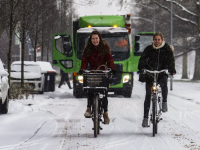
<point x="4" y="108"/>
<point x="127" y="93"/>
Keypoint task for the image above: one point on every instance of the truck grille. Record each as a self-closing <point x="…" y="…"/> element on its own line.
<point x="116" y="79"/>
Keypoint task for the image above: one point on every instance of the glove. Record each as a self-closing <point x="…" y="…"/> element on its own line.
<point x="170" y="73"/>
<point x="80" y="72"/>
<point x="141" y="71"/>
<point x="114" y="71"/>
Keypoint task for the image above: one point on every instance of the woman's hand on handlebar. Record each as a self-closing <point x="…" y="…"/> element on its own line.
<point x="114" y="72"/>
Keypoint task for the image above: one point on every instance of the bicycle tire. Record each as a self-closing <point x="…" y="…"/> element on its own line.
<point x="99" y="113"/>
<point x="96" y="119"/>
<point x="154" y="114"/>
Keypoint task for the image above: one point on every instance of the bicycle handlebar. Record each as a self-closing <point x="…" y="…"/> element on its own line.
<point x="155" y="71"/>
<point x="104" y="71"/>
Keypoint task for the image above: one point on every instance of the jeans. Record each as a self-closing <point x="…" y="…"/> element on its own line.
<point x="163" y="84"/>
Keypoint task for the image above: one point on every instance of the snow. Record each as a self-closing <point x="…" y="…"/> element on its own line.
<point x="55" y="120"/>
<point x="46" y="67"/>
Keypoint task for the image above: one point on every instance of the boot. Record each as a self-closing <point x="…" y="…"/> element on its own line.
<point x="164" y="107"/>
<point x="87" y="114"/>
<point x="106" y="118"/>
<point x="145" y="122"/>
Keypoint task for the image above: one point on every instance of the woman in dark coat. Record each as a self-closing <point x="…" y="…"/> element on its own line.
<point x="96" y="54"/>
<point x="157" y="56"/>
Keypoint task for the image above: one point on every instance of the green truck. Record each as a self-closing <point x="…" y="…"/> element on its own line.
<point x="116" y="30"/>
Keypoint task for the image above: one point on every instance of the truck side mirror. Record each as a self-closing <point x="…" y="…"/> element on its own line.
<point x="137" y="51"/>
<point x="137" y="38"/>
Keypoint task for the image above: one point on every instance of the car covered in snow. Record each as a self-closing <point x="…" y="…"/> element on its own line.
<point x="4" y="89"/>
<point x="32" y="75"/>
<point x="36" y="74"/>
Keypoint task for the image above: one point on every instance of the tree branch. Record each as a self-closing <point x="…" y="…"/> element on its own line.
<point x="183" y="8"/>
<point x="175" y="15"/>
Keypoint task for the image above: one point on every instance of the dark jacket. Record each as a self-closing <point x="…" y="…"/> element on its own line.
<point x="157" y="59"/>
<point x="97" y="59"/>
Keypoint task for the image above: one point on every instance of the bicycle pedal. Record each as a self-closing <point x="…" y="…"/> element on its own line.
<point x="105" y="123"/>
<point x="88" y="117"/>
<point x="159" y="120"/>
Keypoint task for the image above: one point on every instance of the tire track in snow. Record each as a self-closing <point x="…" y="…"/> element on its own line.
<point x="184" y="113"/>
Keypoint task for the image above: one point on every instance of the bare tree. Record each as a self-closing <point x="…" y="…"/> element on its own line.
<point x="9" y="21"/>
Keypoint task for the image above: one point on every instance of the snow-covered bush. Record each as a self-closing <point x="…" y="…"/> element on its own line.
<point x="17" y="92"/>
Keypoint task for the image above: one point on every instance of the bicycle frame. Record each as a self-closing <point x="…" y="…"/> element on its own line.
<point x="156" y="102"/>
<point x="93" y="83"/>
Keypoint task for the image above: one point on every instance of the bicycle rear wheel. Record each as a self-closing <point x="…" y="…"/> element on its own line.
<point x="96" y="114"/>
<point x="154" y="121"/>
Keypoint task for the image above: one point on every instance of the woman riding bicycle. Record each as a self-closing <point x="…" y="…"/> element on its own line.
<point x="97" y="53"/>
<point x="157" y="56"/>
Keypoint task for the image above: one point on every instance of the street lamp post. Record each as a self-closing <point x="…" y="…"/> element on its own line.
<point x="154" y="21"/>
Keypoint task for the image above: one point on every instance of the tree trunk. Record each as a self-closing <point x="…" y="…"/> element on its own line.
<point x="185" y="68"/>
<point x="36" y="38"/>
<point x="197" y="66"/>
<point x="197" y="56"/>
<point x="23" y="37"/>
<point x="22" y="57"/>
<point x="42" y="45"/>
<point x="10" y="39"/>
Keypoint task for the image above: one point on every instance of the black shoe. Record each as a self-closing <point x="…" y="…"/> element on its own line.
<point x="58" y="86"/>
<point x="145" y="122"/>
<point x="164" y="107"/>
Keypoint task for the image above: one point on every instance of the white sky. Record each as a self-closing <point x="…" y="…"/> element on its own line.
<point x="102" y="8"/>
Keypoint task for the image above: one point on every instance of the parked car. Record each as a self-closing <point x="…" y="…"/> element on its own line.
<point x="4" y="89"/>
<point x="40" y="75"/>
<point x="32" y="75"/>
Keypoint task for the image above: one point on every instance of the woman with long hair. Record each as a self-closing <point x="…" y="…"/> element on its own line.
<point x="96" y="54"/>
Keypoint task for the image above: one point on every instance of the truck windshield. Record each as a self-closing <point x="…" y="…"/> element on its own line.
<point x="27" y="68"/>
<point x="118" y="43"/>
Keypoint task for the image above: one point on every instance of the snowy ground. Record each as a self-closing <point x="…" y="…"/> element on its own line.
<point x="55" y="121"/>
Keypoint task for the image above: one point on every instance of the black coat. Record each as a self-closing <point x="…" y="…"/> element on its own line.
<point x="157" y="59"/>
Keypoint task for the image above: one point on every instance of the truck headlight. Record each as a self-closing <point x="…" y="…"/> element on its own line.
<point x="80" y="79"/>
<point x="125" y="78"/>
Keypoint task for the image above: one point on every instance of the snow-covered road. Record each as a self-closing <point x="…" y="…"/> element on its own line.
<point x="55" y="121"/>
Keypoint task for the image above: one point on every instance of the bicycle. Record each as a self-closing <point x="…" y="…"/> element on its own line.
<point x="97" y="82"/>
<point x="156" y="101"/>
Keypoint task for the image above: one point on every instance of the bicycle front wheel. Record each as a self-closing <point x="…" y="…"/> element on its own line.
<point x="154" y="121"/>
<point x="96" y="114"/>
